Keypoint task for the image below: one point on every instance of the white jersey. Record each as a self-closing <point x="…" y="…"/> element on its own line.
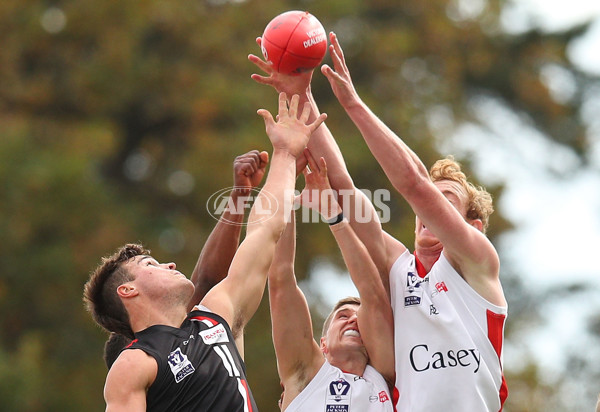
<point x="448" y="341"/>
<point x="332" y="390"/>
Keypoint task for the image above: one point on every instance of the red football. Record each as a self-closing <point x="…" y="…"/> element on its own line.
<point x="294" y="42"/>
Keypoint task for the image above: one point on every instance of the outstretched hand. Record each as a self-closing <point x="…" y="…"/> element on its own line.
<point x="248" y="170"/>
<point x="340" y="80"/>
<point x="286" y="83"/>
<point x="291" y="132"/>
<point x="317" y="193"/>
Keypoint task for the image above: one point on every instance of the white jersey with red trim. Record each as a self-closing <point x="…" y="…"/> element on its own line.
<point x="448" y="341"/>
<point x="332" y="390"/>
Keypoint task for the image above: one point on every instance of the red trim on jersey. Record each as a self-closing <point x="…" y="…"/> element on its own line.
<point x="395" y="398"/>
<point x="245" y="384"/>
<point x="421" y="271"/>
<point x="201" y="318"/>
<point x="131" y="343"/>
<point x="495" y="323"/>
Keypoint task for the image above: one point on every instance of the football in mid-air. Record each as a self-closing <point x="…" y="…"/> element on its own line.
<point x="294" y="42"/>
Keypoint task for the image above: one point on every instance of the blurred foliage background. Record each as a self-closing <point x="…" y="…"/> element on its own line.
<point x="118" y="120"/>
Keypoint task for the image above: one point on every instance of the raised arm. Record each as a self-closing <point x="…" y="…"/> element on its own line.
<point x="323" y="144"/>
<point x="237" y="297"/>
<point x="375" y="318"/>
<point x="298" y="355"/>
<point x="467" y="248"/>
<point x="222" y="243"/>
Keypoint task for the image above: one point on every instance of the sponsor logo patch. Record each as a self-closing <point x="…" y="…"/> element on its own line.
<point x="216" y="334"/>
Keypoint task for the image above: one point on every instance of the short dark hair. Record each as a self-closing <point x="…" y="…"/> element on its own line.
<point x="113" y="347"/>
<point x="350" y="300"/>
<point x="100" y="291"/>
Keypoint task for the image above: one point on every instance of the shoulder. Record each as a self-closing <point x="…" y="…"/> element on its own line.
<point x="134" y="361"/>
<point x="393" y="249"/>
<point x="132" y="373"/>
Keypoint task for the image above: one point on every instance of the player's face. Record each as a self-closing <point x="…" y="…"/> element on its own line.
<point x="343" y="332"/>
<point x="158" y="279"/>
<point x="456" y="196"/>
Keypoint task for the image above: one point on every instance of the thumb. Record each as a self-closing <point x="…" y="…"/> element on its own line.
<point x="264" y="159"/>
<point x="267" y="117"/>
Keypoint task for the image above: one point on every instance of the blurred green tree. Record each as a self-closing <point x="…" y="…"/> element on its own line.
<point x="118" y="120"/>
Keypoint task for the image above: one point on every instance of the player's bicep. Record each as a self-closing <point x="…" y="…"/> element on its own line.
<point x="378" y="337"/>
<point x="128" y="381"/>
<point x="293" y="339"/>
<point x="237" y="297"/>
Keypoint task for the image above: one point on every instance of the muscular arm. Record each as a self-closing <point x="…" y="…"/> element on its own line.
<point x="298" y="355"/>
<point x="323" y="144"/>
<point x="467" y="249"/>
<point x="237" y="297"/>
<point x="220" y="247"/>
<point x="128" y="381"/>
<point x="377" y="336"/>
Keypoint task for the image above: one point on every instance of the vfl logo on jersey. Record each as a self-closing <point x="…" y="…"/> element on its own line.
<point x="216" y="334"/>
<point x="338" y="396"/>
<point x="414" y="292"/>
<point x="180" y="365"/>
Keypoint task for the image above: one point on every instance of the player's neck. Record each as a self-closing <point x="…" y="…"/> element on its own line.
<point x="352" y="362"/>
<point x="142" y="318"/>
<point x="427" y="256"/>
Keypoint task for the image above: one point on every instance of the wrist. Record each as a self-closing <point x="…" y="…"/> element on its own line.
<point x="336" y="219"/>
<point x="234" y="210"/>
<point x="342" y="224"/>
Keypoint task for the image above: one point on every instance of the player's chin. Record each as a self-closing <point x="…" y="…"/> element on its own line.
<point x="427" y="240"/>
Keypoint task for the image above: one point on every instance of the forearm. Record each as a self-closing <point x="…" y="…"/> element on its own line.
<point x="218" y="251"/>
<point x="275" y="199"/>
<point x="266" y="222"/>
<point x="290" y="315"/>
<point x="377" y="337"/>
<point x="323" y="144"/>
<point x="363" y="271"/>
<point x="401" y="165"/>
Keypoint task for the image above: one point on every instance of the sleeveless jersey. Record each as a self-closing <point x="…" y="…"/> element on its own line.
<point x="448" y="341"/>
<point x="199" y="366"/>
<point x="332" y="390"/>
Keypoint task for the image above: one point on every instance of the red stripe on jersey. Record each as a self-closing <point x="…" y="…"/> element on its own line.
<point x="503" y="393"/>
<point x="495" y="322"/>
<point x="395" y="398"/>
<point x="201" y="318"/>
<point x="247" y="394"/>
<point x="421" y="271"/>
<point x="131" y="343"/>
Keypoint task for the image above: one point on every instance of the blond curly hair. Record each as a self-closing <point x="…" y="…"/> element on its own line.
<point x="479" y="204"/>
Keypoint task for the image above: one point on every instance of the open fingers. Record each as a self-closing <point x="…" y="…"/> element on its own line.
<point x="293" y="107"/>
<point x="322" y="166"/>
<point x="264" y="65"/>
<point x="318" y="121"/>
<point x="336" y="45"/>
<point x="267" y="117"/>
<point x="283" y="106"/>
<point x="312" y="163"/>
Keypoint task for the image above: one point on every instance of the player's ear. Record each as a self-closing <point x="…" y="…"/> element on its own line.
<point x="323" y="345"/>
<point x="477" y="224"/>
<point x="127" y="290"/>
